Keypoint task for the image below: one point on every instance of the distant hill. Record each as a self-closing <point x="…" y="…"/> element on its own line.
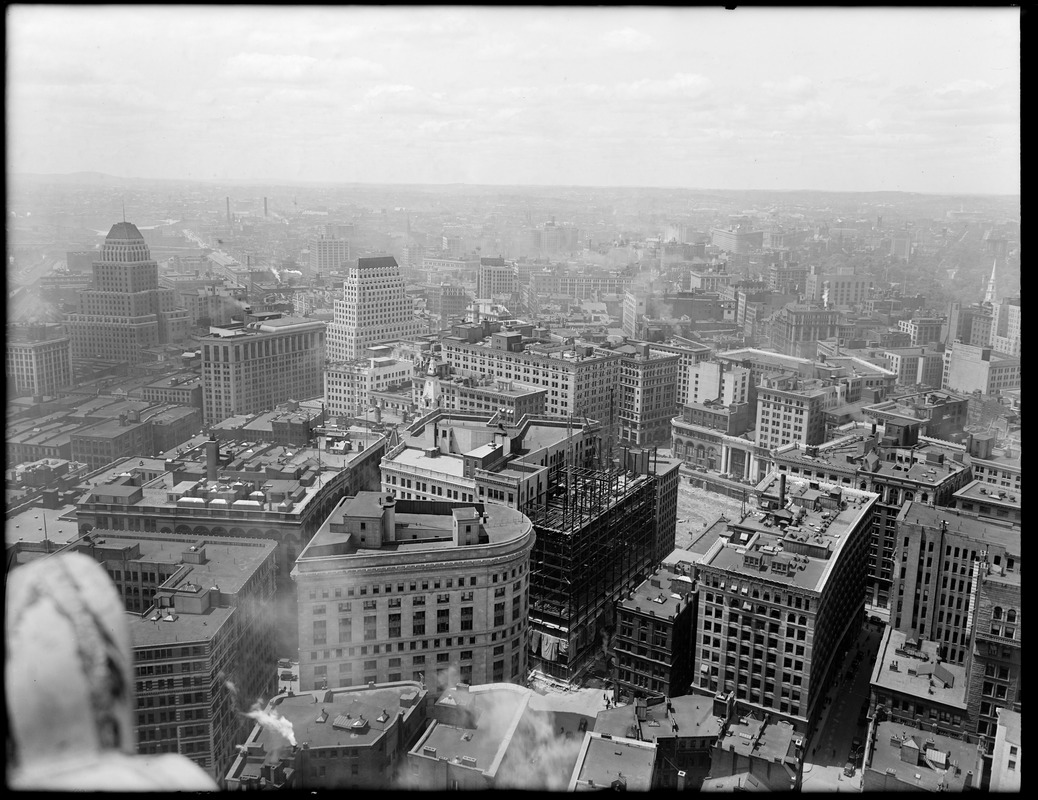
<point x="754" y="195"/>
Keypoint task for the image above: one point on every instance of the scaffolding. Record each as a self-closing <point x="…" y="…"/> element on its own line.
<point x="595" y="541"/>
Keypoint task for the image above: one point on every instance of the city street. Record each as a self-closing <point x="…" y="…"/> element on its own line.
<point x="829" y="746"/>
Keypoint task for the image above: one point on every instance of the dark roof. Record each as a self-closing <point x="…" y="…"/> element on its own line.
<point x="376" y="262"/>
<point x="124" y="230"/>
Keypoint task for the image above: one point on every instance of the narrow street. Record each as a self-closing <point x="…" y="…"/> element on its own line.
<point x="829" y="746"/>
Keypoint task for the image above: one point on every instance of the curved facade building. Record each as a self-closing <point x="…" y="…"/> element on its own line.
<point x="392" y="590"/>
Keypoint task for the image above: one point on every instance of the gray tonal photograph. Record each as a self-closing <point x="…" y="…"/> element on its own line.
<point x="560" y="398"/>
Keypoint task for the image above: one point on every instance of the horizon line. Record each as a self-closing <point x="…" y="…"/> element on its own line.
<point x="326" y="183"/>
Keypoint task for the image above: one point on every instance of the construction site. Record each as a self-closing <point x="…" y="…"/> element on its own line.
<point x="595" y="541"/>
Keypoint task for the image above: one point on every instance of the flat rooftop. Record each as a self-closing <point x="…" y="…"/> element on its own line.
<point x="497" y="710"/>
<point x="181" y="628"/>
<point x="693" y="714"/>
<point x="28" y="526"/>
<point x="776" y="741"/>
<point x="502" y="524"/>
<point x="984" y="492"/>
<point x="249" y="461"/>
<point x="809" y="527"/>
<point x="327" y="718"/>
<point x="963" y="523"/>
<point x="450" y="464"/>
<point x="109" y="428"/>
<point x="604" y="759"/>
<point x="935" y="762"/>
<point x="653" y="596"/>
<point x="926" y="684"/>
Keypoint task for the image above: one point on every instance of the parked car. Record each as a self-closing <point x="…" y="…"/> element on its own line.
<point x="287" y="676"/>
<point x="284" y="663"/>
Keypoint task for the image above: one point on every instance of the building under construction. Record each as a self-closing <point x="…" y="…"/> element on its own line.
<point x="596" y="539"/>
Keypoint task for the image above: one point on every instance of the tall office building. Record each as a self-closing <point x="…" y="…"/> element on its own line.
<point x="690" y="353"/>
<point x="257" y="364"/>
<point x="795" y="329"/>
<point x="38" y="360"/>
<point x="126" y="311"/>
<point x="496" y="277"/>
<point x="792" y="410"/>
<point x="581" y="383"/>
<point x="647" y="390"/>
<point x="782" y="596"/>
<point x="1005" y="334"/>
<point x="328" y="254"/>
<point x="374" y="308"/>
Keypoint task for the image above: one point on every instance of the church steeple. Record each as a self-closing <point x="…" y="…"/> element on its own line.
<point x="990" y="294"/>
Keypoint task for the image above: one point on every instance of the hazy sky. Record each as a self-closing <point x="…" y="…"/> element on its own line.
<point x="924" y="100"/>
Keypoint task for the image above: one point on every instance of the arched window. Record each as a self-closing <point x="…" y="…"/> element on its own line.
<point x="997" y="613"/>
<point x="1011" y="615"/>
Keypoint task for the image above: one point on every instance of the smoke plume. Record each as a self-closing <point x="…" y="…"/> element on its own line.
<point x="273" y="722"/>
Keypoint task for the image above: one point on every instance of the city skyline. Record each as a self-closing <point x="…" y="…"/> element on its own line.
<point x="823" y="99"/>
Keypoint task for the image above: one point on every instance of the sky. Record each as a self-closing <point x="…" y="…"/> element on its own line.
<point x="840" y="99"/>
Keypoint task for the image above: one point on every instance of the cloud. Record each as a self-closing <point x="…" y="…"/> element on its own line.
<point x="391" y="88"/>
<point x="815" y="112"/>
<point x="681" y="85"/>
<point x="963" y="87"/>
<point x="629" y="40"/>
<point x="796" y="87"/>
<point x="278" y="67"/>
<point x="268" y="66"/>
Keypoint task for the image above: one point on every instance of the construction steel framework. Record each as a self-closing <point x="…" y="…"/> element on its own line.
<point x="595" y="541"/>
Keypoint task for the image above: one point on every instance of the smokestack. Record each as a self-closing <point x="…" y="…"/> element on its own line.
<point x="228" y="211"/>
<point x="782" y="490"/>
<point x="264" y="206"/>
<point x="212" y="458"/>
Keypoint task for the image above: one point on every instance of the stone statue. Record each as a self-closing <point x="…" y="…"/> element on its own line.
<point x="68" y="680"/>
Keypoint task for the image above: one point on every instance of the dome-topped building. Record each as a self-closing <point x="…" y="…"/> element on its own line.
<point x="123" y="230"/>
<point x="124" y="243"/>
<point x="126" y="311"/>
